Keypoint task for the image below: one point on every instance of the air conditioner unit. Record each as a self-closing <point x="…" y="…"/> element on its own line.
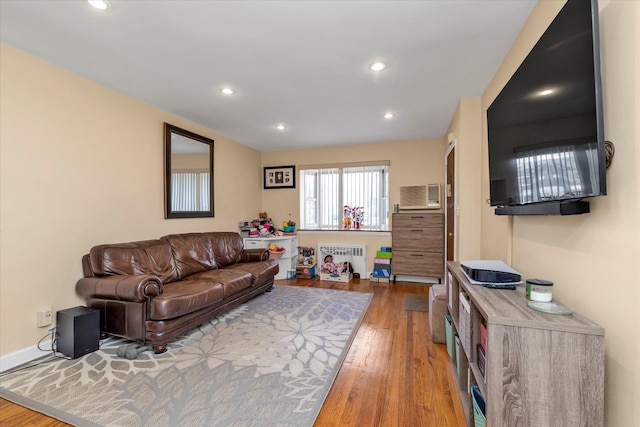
<point x="420" y="196"/>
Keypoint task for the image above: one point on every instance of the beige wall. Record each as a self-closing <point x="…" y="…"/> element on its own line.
<point x="592" y="258"/>
<point x="83" y="165"/>
<point x="466" y="130"/>
<point x="190" y="162"/>
<point x="411" y="163"/>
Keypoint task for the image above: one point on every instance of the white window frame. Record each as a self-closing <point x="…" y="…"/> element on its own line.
<point x="327" y="212"/>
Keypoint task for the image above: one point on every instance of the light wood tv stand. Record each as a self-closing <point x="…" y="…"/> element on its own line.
<point x="541" y="369"/>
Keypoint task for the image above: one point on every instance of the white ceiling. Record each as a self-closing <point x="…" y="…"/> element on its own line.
<point x="301" y="63"/>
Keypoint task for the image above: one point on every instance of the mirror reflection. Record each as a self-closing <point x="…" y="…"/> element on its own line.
<point x="188" y="174"/>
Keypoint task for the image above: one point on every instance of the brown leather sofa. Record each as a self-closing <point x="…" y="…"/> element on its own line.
<point x="155" y="290"/>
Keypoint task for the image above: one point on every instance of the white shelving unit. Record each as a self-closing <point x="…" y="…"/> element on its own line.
<point x="288" y="261"/>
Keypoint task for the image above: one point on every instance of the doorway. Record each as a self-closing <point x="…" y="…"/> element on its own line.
<point x="450" y="197"/>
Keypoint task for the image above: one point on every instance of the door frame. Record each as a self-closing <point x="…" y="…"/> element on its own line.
<point x="450" y="193"/>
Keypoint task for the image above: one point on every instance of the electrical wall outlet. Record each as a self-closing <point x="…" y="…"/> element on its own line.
<point x="44" y="317"/>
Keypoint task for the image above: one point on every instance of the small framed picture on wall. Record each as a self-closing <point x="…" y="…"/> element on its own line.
<point x="280" y="177"/>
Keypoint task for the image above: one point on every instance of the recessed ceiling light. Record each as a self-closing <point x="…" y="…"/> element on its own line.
<point x="377" y="66"/>
<point x="389" y="116"/>
<point x="280" y="126"/>
<point x="99" y="4"/>
<point x="545" y="92"/>
<point x="227" y="91"/>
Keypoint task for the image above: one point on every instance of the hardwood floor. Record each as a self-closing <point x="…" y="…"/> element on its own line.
<point x="393" y="374"/>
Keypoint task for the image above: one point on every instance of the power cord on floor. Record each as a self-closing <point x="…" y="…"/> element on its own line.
<point x="54" y="354"/>
<point x="41" y="362"/>
<point x="54" y="347"/>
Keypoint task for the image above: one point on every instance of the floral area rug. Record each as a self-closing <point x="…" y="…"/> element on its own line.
<point x="269" y="362"/>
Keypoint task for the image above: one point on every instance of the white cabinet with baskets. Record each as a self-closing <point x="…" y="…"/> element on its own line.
<point x="287" y="260"/>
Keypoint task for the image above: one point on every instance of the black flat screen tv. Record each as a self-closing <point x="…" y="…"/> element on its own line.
<point x="545" y="128"/>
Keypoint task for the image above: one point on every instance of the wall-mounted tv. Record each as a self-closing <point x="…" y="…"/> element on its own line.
<point x="545" y="128"/>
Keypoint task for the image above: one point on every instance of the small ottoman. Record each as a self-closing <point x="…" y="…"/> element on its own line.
<point x="437" y="310"/>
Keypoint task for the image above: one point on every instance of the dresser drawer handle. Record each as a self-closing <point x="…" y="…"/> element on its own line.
<point x="417" y="231"/>
<point x="420" y="255"/>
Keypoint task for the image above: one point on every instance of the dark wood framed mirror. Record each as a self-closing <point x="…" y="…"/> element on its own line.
<point x="188" y="174"/>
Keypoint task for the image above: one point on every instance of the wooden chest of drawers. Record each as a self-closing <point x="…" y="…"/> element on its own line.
<point x="417" y="240"/>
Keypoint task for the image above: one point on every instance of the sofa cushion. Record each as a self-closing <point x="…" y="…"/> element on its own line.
<point x="232" y="281"/>
<point x="227" y="248"/>
<point x="261" y="271"/>
<point x="193" y="252"/>
<point x="184" y="297"/>
<point x="134" y="258"/>
<point x="196" y="252"/>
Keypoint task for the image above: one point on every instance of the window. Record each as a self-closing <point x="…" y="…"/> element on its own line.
<point x="325" y="191"/>
<point x="190" y="191"/>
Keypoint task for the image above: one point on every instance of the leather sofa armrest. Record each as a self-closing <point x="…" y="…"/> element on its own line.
<point x="121" y="288"/>
<point x="254" y="255"/>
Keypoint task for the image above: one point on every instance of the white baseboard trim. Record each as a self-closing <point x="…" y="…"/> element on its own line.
<point x="17" y="358"/>
<point x="26" y="355"/>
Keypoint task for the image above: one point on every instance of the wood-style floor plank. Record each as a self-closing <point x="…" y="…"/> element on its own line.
<point x="393" y="375"/>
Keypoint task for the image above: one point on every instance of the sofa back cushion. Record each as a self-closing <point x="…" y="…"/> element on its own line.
<point x="197" y="252"/>
<point x="134" y="258"/>
<point x="227" y="247"/>
<point x="192" y="253"/>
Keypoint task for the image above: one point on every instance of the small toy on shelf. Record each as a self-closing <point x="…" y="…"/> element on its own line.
<point x="306" y="256"/>
<point x="288" y="226"/>
<point x="346" y="214"/>
<point x="328" y="267"/>
<point x="357" y="214"/>
<point x="267" y="230"/>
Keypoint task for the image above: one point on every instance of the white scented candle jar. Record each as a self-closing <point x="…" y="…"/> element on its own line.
<point x="539" y="290"/>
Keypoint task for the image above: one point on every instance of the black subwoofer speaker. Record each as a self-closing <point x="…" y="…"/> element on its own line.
<point x="78" y="331"/>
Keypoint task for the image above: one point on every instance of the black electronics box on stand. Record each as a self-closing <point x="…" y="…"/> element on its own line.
<point x="489" y="271"/>
<point x="78" y="331"/>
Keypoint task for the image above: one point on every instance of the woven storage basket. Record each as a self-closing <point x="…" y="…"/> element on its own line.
<point x="275" y="255"/>
<point x="465" y="323"/>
